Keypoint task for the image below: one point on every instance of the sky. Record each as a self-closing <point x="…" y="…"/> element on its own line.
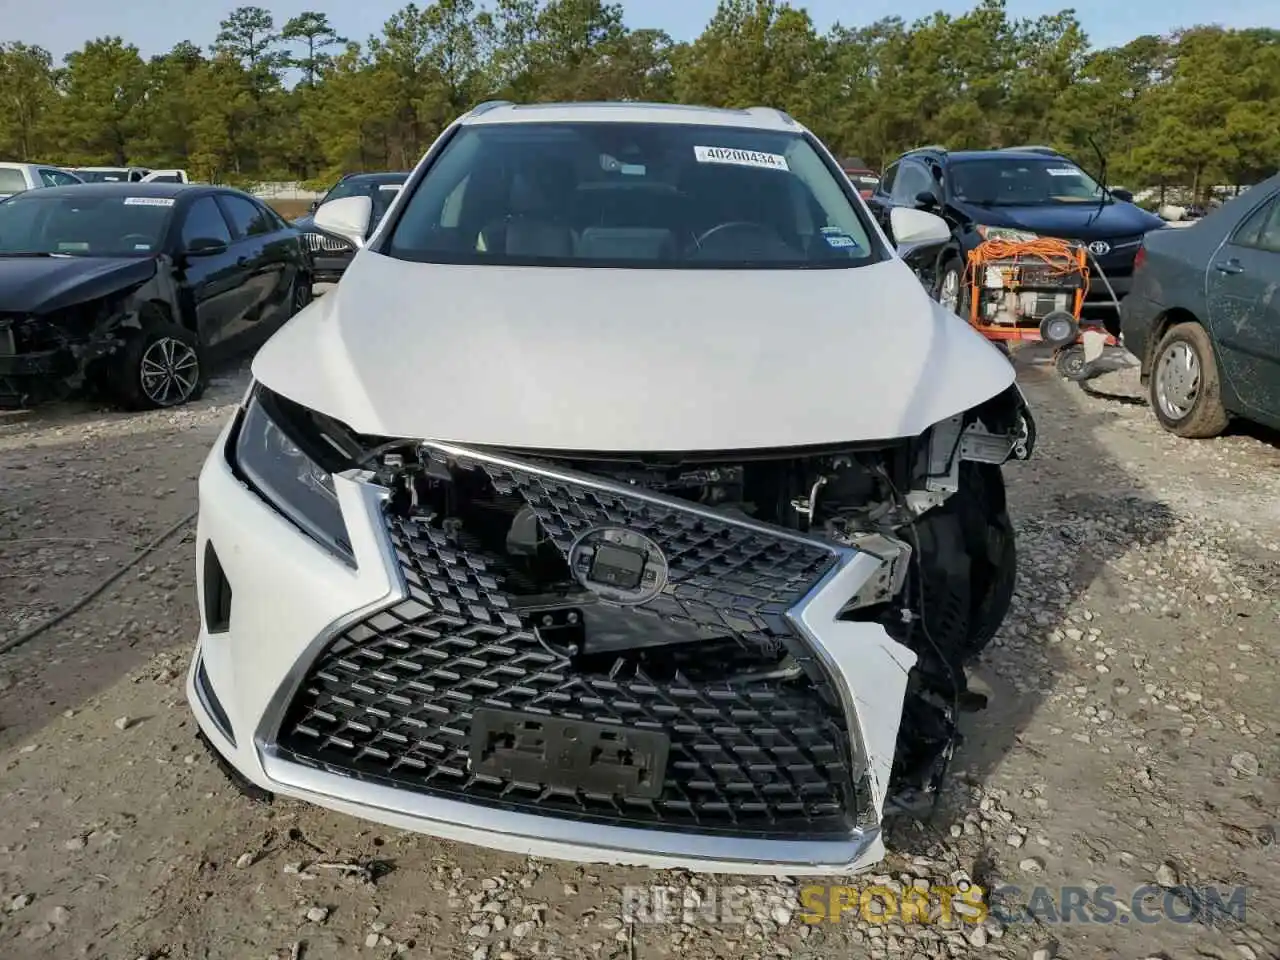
<point x="154" y="26"/>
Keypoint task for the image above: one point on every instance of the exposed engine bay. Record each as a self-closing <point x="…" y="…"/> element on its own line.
<point x="931" y="508"/>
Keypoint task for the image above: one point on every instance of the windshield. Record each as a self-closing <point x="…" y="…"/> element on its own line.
<point x="87" y="226"/>
<point x="1004" y="183"/>
<point x="103" y="176"/>
<point x="632" y="195"/>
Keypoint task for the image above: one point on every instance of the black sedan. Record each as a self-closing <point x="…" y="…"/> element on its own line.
<point x="133" y="287"/>
<point x="1204" y="316"/>
<point x="332" y="253"/>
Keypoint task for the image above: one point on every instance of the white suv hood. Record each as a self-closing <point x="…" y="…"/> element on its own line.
<point x="593" y="359"/>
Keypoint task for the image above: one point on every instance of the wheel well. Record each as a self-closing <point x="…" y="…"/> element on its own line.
<point x="1170" y="318"/>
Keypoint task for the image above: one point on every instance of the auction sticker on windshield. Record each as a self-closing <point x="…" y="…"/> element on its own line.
<point x="1063" y="172"/>
<point x="741" y="158"/>
<point x="148" y="201"/>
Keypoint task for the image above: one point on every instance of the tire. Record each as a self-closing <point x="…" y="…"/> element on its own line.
<point x="159" y="366"/>
<point x="1071" y="364"/>
<point x="300" y="293"/>
<point x="952" y="273"/>
<point x="994" y="550"/>
<point x="968" y="564"/>
<point x="1185" y="392"/>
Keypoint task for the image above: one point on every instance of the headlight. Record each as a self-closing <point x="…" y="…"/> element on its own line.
<point x="1006" y="233"/>
<point x="280" y="471"/>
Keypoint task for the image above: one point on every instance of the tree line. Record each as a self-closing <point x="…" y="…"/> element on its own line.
<point x="297" y="101"/>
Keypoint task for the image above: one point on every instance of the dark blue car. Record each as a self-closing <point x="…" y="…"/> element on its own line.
<point x="1204" y="317"/>
<point x="1017" y="194"/>
<point x="331" y="254"/>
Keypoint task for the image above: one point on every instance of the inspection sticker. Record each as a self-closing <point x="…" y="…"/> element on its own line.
<point x="148" y="201"/>
<point x="840" y="240"/>
<point x="1063" y="172"/>
<point x="741" y="158"/>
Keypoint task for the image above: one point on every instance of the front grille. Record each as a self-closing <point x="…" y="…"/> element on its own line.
<point x="322" y="243"/>
<point x="758" y="745"/>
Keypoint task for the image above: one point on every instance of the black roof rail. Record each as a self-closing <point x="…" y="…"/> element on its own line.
<point x="488" y="105"/>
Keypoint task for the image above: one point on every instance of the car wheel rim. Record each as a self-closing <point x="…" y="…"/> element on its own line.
<point x="949" y="296"/>
<point x="301" y="295"/>
<point x="1178" y="380"/>
<point x="170" y="372"/>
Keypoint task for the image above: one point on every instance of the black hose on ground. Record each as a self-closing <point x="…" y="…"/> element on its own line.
<point x="61" y="615"/>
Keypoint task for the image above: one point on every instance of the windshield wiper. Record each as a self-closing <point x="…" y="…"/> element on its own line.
<point x="31" y="253"/>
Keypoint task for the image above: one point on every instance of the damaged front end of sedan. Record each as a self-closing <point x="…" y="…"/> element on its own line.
<point x="52" y="355"/>
<point x="766" y="648"/>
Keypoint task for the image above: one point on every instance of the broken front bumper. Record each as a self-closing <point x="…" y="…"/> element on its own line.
<point x="32" y="377"/>
<point x="366" y="690"/>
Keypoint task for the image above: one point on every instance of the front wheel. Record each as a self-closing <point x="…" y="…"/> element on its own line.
<point x="951" y="292"/>
<point x="1185" y="394"/>
<point x="159" y="366"/>
<point x="300" y="294"/>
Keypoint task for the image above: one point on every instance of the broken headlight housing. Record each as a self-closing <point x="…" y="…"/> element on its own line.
<point x="273" y="456"/>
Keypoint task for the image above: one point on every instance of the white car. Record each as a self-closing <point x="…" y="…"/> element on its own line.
<point x="628" y="500"/>
<point x="20" y="177"/>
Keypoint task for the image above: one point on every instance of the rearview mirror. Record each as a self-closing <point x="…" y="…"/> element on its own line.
<point x="925" y="200"/>
<point x="915" y="230"/>
<point x="205" y="247"/>
<point x="347" y="217"/>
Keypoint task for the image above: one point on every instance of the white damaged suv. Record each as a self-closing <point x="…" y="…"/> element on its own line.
<point x="629" y="500"/>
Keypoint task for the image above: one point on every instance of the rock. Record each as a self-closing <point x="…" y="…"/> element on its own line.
<point x="1031" y="865"/>
<point x="1167" y="875"/>
<point x="1045" y="952"/>
<point x="371" y="940"/>
<point x="75" y="843"/>
<point x="522" y="929"/>
<point x="1245" y="765"/>
<point x="1015" y="840"/>
<point x="123" y="723"/>
<point x="479" y="931"/>
<point x="58" y="916"/>
<point x="245" y="860"/>
<point x="318" y="914"/>
<point x="37" y="931"/>
<point x="1246" y="952"/>
<point x="480" y="953"/>
<point x="19" y="902"/>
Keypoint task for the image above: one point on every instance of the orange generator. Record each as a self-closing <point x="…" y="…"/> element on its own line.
<point x="1034" y="290"/>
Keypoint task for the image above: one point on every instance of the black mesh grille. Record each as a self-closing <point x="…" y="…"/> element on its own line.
<point x="753" y="751"/>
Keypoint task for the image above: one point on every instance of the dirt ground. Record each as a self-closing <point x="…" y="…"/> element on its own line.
<point x="1131" y="738"/>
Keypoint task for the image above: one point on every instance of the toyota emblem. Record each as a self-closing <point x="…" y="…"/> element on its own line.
<point x="1099" y="248"/>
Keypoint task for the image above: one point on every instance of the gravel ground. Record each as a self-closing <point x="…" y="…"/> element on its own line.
<point x="1131" y="737"/>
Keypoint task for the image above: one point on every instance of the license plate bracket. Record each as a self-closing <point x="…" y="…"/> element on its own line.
<point x="556" y="752"/>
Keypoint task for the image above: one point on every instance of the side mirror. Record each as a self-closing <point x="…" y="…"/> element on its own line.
<point x="925" y="200"/>
<point x="915" y="230"/>
<point x="348" y="217"/>
<point x="313" y="206"/>
<point x="1123" y="195"/>
<point x="205" y="247"/>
